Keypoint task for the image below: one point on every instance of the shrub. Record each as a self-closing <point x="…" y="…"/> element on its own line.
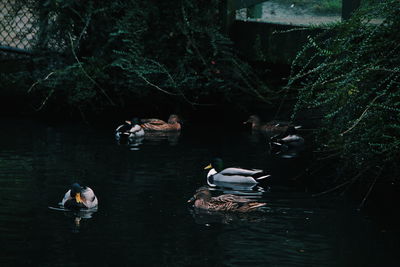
<point x="350" y="75"/>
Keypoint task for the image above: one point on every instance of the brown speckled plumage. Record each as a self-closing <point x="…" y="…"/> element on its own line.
<point x="162" y="126"/>
<point x="270" y="128"/>
<point x="204" y="200"/>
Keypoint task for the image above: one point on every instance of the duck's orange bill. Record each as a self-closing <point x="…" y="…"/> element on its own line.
<point x="208" y="167"/>
<point x="78" y="198"/>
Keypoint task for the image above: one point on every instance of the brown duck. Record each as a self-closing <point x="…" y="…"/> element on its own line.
<point x="173" y="124"/>
<point x="271" y="128"/>
<point x="203" y="200"/>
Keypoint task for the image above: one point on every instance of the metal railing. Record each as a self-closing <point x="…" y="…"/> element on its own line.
<point x="17" y="26"/>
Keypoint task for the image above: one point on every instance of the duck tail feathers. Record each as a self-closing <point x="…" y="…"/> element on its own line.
<point x="263" y="177"/>
<point x="256" y="205"/>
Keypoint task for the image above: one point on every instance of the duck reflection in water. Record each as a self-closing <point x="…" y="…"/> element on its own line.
<point x="81" y="202"/>
<point x="206" y="217"/>
<point x="135" y="143"/>
<point x="157" y="137"/>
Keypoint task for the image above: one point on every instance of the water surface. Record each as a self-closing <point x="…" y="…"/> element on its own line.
<point x="143" y="218"/>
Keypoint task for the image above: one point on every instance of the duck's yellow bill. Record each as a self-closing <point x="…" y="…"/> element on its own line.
<point x="209" y="166"/>
<point x="78" y="198"/>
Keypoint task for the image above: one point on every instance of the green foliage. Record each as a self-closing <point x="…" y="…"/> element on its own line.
<point x="350" y="75"/>
<point x="111" y="51"/>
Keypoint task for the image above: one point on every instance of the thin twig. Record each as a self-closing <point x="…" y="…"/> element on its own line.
<point x="45" y="100"/>
<point x="362" y="116"/>
<point x="351" y="181"/>
<point x="153" y="85"/>
<point x="174" y="84"/>
<point x="370" y="189"/>
<point x="86" y="74"/>
<point x="331" y="190"/>
<point x="329" y="156"/>
<point x="39" y="81"/>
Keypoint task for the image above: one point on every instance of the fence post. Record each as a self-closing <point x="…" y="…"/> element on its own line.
<point x="43" y="25"/>
<point x="348" y="7"/>
<point x="228" y="15"/>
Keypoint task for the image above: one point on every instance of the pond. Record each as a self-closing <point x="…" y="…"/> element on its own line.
<point x="144" y="218"/>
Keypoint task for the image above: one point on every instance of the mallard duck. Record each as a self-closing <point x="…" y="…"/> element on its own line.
<point x="290" y="145"/>
<point x="291" y="138"/>
<point x="272" y="128"/>
<point x="203" y="200"/>
<point x="79" y="197"/>
<point x="130" y="129"/>
<point x="173" y="124"/>
<point x="217" y="174"/>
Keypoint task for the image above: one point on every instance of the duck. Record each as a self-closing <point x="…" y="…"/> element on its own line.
<point x="228" y="203"/>
<point x="173" y="124"/>
<point x="130" y="129"/>
<point x="233" y="175"/>
<point x="79" y="198"/>
<point x="272" y="128"/>
<point x="289" y="145"/>
<point x="292" y="139"/>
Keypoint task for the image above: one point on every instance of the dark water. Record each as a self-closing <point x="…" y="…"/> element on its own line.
<point x="143" y="218"/>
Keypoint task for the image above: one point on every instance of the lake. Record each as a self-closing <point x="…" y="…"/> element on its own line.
<point x="143" y="217"/>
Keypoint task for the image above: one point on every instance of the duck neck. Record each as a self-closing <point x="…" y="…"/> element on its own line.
<point x="210" y="178"/>
<point x="200" y="203"/>
<point x="255" y="123"/>
<point x="211" y="172"/>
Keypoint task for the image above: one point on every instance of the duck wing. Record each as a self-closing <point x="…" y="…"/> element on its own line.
<point x="153" y="121"/>
<point x="66" y="197"/>
<point x="250" y="206"/>
<point x="90" y="198"/>
<point x="123" y="128"/>
<point x="231" y="198"/>
<point x="239" y="171"/>
<point x="247" y="173"/>
<point x="292" y="138"/>
<point x="135" y="128"/>
<point x="233" y="203"/>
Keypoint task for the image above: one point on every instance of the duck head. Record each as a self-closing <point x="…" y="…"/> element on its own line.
<point x="254" y="120"/>
<point x="134" y="121"/>
<point x="76" y="202"/>
<point x="216" y="166"/>
<point x="216" y="163"/>
<point x="291" y="130"/>
<point x="76" y="191"/>
<point x="173" y="119"/>
<point x="203" y="193"/>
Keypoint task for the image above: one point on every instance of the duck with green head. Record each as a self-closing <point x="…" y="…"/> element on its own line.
<point x="79" y="197"/>
<point x="130" y="129"/>
<point x="233" y="175"/>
